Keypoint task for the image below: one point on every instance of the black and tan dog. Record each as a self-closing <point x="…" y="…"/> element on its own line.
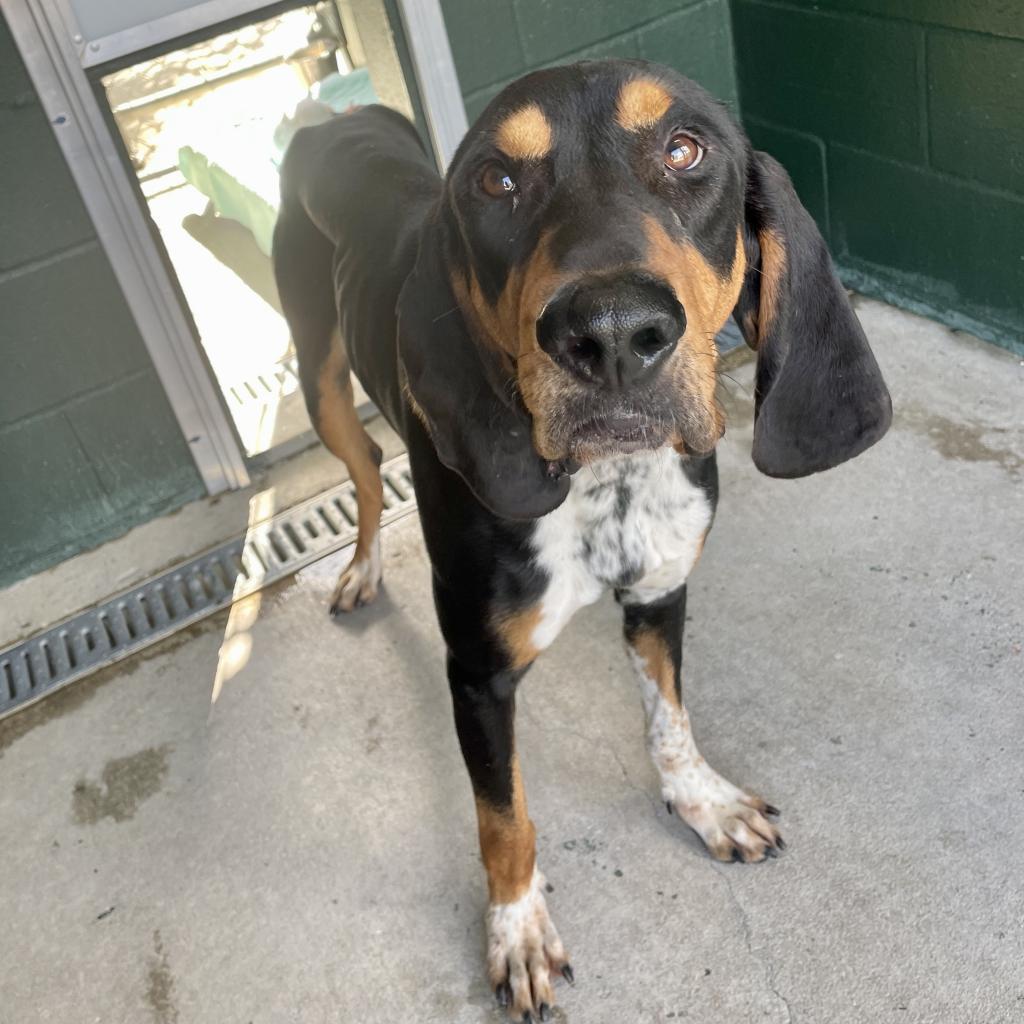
<point x="554" y="303"/>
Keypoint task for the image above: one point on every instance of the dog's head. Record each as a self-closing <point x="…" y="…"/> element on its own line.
<point x="598" y="225"/>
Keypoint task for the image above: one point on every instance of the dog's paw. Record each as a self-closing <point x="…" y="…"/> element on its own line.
<point x="733" y="824"/>
<point x="524" y="953"/>
<point x="359" y="584"/>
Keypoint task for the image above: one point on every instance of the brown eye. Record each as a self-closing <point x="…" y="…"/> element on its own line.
<point x="496" y="181"/>
<point x="682" y="153"/>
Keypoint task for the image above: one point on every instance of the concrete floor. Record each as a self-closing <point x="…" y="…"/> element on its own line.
<point x="304" y="849"/>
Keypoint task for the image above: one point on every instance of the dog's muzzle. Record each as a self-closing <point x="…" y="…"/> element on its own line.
<point x="612" y="333"/>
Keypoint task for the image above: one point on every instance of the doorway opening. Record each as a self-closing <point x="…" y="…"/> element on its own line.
<point x="205" y="128"/>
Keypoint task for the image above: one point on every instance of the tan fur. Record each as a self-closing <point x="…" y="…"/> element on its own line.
<point x="509" y="325"/>
<point x="525" y="134"/>
<point x="708" y="299"/>
<point x="488" y="323"/>
<point x="516" y="632"/>
<point x="543" y="385"/>
<point x="654" y="653"/>
<point x="507" y="843"/>
<point x="773" y="271"/>
<point x="337" y="423"/>
<point x="642" y="104"/>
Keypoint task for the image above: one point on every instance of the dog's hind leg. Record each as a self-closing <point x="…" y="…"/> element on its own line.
<point x="334" y="416"/>
<point x="302" y="268"/>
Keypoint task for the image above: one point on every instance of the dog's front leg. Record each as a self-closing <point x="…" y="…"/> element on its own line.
<point x="523" y="948"/>
<point x="732" y="823"/>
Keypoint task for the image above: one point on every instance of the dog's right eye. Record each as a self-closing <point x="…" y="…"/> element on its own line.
<point x="496" y="181"/>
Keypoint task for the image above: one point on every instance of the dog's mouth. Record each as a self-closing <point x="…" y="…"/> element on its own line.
<point x="602" y="436"/>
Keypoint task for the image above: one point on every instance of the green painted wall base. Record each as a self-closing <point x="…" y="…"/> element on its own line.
<point x="905" y="291"/>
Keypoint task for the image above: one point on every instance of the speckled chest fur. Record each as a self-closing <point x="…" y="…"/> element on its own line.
<point x="634" y="523"/>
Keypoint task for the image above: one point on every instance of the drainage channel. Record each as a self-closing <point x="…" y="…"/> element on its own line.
<point x="131" y="621"/>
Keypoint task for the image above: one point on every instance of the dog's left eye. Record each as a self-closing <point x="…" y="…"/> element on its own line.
<point x="683" y="153"/>
<point x="496" y="181"/>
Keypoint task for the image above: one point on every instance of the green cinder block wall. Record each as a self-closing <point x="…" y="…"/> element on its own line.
<point x="495" y="41"/>
<point x="89" y="446"/>
<point x="900" y="121"/>
<point x="902" y="125"/>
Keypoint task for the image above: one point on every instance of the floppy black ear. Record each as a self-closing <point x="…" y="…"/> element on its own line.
<point x="462" y="394"/>
<point x="820" y="398"/>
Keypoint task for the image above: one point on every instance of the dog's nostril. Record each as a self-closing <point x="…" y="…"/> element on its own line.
<point x="648" y="342"/>
<point x="584" y="350"/>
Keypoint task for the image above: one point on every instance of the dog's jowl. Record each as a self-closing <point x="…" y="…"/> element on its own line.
<point x="539" y="328"/>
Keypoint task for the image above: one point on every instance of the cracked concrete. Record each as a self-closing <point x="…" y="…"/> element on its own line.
<point x="769" y="969"/>
<point x="305" y="849"/>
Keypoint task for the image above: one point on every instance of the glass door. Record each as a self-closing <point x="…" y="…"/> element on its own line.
<point x="205" y="128"/>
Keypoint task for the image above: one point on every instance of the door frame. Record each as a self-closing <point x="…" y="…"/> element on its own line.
<point x="57" y="57"/>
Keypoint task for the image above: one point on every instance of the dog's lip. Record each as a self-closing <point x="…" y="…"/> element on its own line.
<point x="617" y="435"/>
<point x="622" y="428"/>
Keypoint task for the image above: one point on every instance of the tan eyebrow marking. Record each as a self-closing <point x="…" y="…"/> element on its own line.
<point x="525" y="135"/>
<point x="642" y="103"/>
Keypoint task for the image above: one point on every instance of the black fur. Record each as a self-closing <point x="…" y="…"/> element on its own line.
<point x="368" y="240"/>
<point x="820" y="398"/>
<point x="477" y="422"/>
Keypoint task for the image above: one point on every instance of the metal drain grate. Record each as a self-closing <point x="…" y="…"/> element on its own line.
<point x="269" y="385"/>
<point x="137" y="618"/>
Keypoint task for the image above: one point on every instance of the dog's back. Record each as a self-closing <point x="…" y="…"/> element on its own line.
<point x="354" y="193"/>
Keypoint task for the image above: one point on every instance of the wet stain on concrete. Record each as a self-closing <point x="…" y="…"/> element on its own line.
<point x="160" y="989"/>
<point x="961" y="442"/>
<point x="373" y="738"/>
<point x="126" y="783"/>
<point x="75" y="695"/>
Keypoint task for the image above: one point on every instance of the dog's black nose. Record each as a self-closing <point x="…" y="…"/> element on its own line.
<point x="614" y="333"/>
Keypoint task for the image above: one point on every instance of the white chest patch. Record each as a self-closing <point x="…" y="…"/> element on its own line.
<point x="635" y="523"/>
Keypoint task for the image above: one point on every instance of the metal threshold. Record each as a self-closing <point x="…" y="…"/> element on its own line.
<point x="131" y="621"/>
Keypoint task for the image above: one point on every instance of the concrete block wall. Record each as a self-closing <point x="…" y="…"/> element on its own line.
<point x="496" y="41"/>
<point x="88" y="444"/>
<point x="902" y="125"/>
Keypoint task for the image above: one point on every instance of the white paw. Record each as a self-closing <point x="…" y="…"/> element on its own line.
<point x="733" y="824"/>
<point x="359" y="584"/>
<point x="523" y="953"/>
